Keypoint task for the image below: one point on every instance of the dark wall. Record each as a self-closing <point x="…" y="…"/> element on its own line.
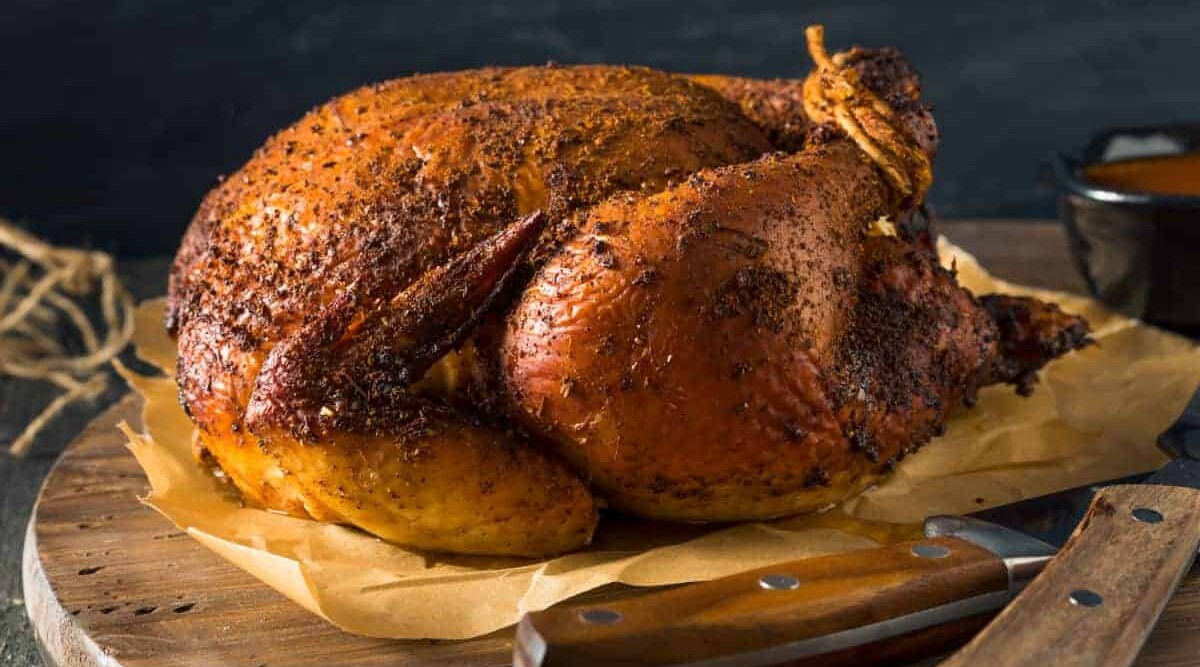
<point x="116" y="117"/>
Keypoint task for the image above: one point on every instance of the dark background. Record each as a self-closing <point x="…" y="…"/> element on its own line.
<point x="116" y="117"/>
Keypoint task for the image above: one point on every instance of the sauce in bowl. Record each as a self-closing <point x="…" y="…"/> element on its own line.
<point x="1162" y="175"/>
<point x="1132" y="222"/>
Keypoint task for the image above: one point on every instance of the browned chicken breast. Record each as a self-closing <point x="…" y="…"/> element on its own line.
<point x="457" y="310"/>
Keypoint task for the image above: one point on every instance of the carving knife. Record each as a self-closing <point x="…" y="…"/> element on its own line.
<point x="1122" y="547"/>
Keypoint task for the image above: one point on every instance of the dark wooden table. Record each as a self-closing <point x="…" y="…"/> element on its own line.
<point x="1028" y="251"/>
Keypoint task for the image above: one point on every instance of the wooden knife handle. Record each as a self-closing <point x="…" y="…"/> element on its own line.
<point x="806" y="609"/>
<point x="1097" y="601"/>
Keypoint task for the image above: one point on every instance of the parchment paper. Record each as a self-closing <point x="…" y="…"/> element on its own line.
<point x="1094" y="416"/>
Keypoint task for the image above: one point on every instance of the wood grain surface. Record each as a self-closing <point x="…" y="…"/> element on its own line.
<point x="21" y="479"/>
<point x="738" y="614"/>
<point x="1096" y="602"/>
<point x="109" y="582"/>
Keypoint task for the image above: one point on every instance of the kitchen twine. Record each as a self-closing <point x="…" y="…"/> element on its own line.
<point x="43" y="288"/>
<point x="836" y="93"/>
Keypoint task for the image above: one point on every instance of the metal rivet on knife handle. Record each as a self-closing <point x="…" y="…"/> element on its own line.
<point x="778" y="582"/>
<point x="1147" y="515"/>
<point x="600" y="616"/>
<point x="930" y="551"/>
<point x="1086" y="598"/>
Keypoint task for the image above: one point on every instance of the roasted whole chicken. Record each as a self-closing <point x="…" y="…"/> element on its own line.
<point x="462" y="311"/>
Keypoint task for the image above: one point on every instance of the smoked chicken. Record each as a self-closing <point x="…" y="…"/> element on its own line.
<point x="462" y="311"/>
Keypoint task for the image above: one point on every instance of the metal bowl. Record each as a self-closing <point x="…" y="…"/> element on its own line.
<point x="1139" y="252"/>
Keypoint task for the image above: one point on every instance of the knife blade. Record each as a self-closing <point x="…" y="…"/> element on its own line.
<point x="895" y="602"/>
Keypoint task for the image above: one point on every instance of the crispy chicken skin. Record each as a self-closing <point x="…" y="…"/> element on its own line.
<point x="346" y="209"/>
<point x="775" y="105"/>
<point x="455" y="310"/>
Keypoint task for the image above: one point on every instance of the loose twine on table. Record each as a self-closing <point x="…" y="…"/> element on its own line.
<point x="42" y="289"/>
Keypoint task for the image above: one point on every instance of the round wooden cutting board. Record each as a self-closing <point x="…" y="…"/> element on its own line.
<point x="110" y="582"/>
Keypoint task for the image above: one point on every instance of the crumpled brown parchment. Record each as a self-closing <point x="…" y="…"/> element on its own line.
<point x="1094" y="416"/>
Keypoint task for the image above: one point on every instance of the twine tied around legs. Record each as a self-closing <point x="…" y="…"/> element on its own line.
<point x="836" y="93"/>
<point x="43" y="288"/>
